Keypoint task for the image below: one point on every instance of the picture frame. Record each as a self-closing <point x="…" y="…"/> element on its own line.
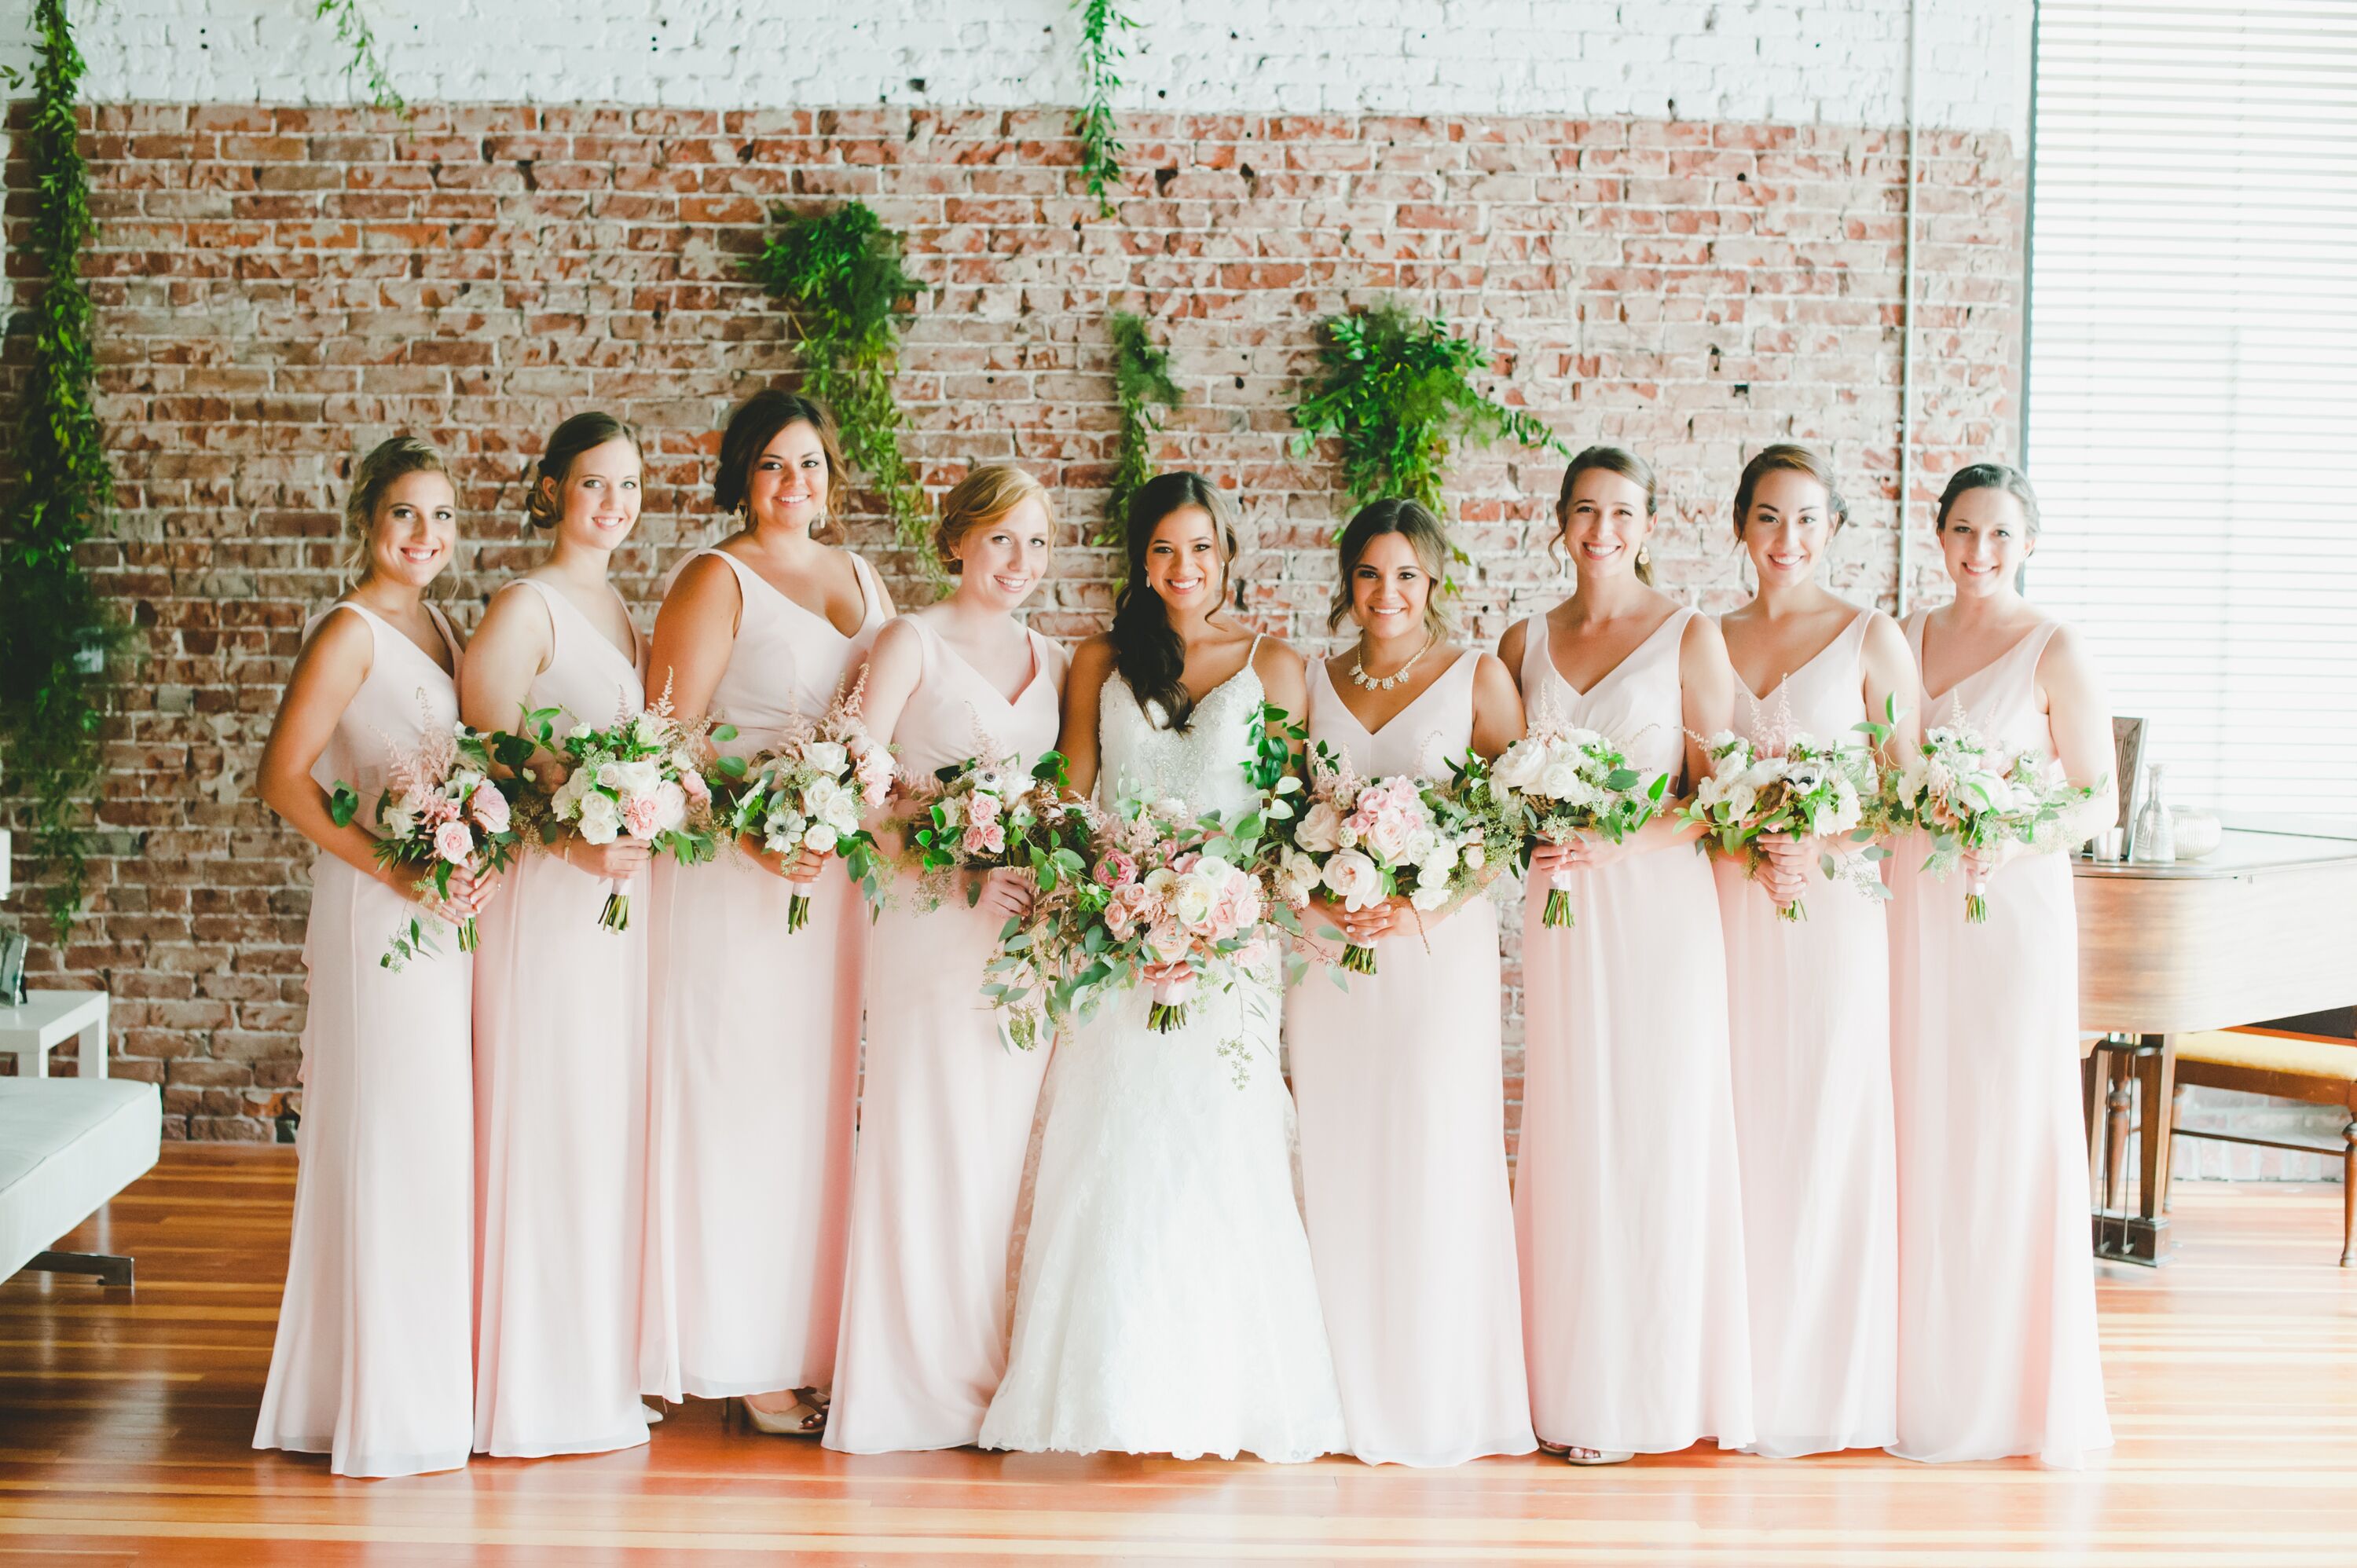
<point x="2129" y="736"/>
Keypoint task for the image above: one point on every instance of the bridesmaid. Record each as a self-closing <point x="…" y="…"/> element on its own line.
<point x="754" y="1034"/>
<point x="1627" y="1210"/>
<point x="1997" y="1288"/>
<point x="560" y="1005"/>
<point x="1398" y="1080"/>
<point x="1808" y="1002"/>
<point x="373" y="1358"/>
<point x="946" y="1109"/>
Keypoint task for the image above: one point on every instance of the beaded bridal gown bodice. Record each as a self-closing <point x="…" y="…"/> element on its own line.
<point x="1166" y="1303"/>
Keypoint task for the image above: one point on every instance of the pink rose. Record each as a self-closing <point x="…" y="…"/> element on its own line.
<point x="985" y="838"/>
<point x="490" y="809"/>
<point x="981" y="808"/>
<point x="1167" y="942"/>
<point x="438" y="808"/>
<point x="641" y="816"/>
<point x="692" y="785"/>
<point x="1116" y="870"/>
<point x="454" y="842"/>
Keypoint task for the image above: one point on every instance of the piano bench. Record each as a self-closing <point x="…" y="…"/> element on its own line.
<point x="2314" y="1069"/>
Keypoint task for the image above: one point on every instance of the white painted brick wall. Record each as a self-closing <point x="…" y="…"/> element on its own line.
<point x="1834" y="61"/>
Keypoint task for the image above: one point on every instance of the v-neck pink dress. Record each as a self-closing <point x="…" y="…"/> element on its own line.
<point x="561" y="1116"/>
<point x="1628" y="1211"/>
<point x="1400" y="1095"/>
<point x="944" y="1113"/>
<point x="753" y="1048"/>
<point x="1809" y="1021"/>
<point x="1998" y="1352"/>
<point x="373" y="1360"/>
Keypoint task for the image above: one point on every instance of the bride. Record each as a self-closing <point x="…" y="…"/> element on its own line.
<point x="1167" y="1304"/>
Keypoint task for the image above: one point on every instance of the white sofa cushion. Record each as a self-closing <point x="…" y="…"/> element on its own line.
<point x="67" y="1145"/>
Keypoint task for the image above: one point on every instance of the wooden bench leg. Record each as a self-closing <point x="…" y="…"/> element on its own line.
<point x="2169" y="1157"/>
<point x="2348" y="1193"/>
<point x="109" y="1268"/>
<point x="2115" y="1138"/>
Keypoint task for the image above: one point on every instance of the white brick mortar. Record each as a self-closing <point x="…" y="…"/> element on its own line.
<point x="1804" y="61"/>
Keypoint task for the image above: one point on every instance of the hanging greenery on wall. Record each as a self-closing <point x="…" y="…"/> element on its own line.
<point x="353" y="31"/>
<point x="1141" y="382"/>
<point x="839" y="274"/>
<point x="1395" y="389"/>
<point x="1102" y="24"/>
<point x="53" y="635"/>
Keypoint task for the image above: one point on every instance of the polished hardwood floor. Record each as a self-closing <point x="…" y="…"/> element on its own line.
<point x="125" y="1416"/>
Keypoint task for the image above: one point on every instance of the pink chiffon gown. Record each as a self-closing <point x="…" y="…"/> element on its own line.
<point x="1997" y="1353"/>
<point x="1809" y="1023"/>
<point x="561" y="1116"/>
<point x="1628" y="1211"/>
<point x="945" y="1113"/>
<point x="1401" y="1103"/>
<point x="372" y="1365"/>
<point x="753" y="1047"/>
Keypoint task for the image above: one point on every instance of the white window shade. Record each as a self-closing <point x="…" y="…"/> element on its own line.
<point x="2192" y="385"/>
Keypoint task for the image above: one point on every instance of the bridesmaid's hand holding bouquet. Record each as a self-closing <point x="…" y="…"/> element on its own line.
<point x="639" y="780"/>
<point x="985" y="815"/>
<point x="1560" y="781"/>
<point x="1791" y="789"/>
<point x="1975" y="801"/>
<point x="810" y="793"/>
<point x="442" y="815"/>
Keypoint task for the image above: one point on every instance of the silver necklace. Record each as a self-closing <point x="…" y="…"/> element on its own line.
<point x="1365" y="681"/>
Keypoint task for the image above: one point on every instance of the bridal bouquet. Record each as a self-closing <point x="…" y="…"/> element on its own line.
<point x="1797" y="786"/>
<point x="1365" y="840"/>
<point x="642" y="776"/>
<point x="1558" y="781"/>
<point x="984" y="812"/>
<point x="440" y="812"/>
<point x="809" y="791"/>
<point x="1966" y="795"/>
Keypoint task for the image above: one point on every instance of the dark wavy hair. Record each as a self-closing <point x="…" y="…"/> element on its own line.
<point x="1990" y="477"/>
<point x="751" y="428"/>
<point x="1412" y="521"/>
<point x="1145" y="648"/>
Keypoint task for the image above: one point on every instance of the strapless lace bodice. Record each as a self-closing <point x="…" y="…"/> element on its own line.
<point x="1202" y="764"/>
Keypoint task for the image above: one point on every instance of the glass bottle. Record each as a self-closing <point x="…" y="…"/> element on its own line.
<point x="2156" y="830"/>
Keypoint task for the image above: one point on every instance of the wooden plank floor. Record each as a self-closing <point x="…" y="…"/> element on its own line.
<point x="124" y="1421"/>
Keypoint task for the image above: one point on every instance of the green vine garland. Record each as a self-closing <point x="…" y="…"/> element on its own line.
<point x="54" y="635"/>
<point x="838" y="274"/>
<point x="1141" y="382"/>
<point x="1394" y="387"/>
<point x="352" y="30"/>
<point x="1101" y="23"/>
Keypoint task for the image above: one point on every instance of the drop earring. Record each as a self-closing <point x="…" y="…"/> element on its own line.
<point x="1644" y="555"/>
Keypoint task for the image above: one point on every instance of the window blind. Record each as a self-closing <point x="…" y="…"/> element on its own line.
<point x="2191" y="422"/>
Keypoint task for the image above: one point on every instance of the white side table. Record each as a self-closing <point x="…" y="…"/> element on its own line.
<point x="51" y="1017"/>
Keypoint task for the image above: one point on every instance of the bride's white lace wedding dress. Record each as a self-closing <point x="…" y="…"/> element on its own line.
<point x="1166" y="1303"/>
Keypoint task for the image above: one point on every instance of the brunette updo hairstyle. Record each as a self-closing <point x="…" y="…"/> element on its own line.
<point x="396" y="457"/>
<point x="1787" y="457"/>
<point x="1146" y="649"/>
<point x="1610" y="460"/>
<point x="543" y="508"/>
<point x="749" y="431"/>
<point x="981" y="497"/>
<point x="1411" y="522"/>
<point x="1990" y="477"/>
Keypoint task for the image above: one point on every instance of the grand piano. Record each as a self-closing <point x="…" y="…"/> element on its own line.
<point x="2263" y="928"/>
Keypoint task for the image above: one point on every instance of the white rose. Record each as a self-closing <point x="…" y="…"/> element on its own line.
<point x="647" y="730"/>
<point x="819" y="836"/>
<point x="1476" y="857"/>
<point x="1191" y="899"/>
<point x="399" y="818"/>
<point x="671" y="808"/>
<point x="600" y="822"/>
<point x="831" y="801"/>
<point x="827" y="756"/>
<point x="1296" y="878"/>
<point x="1321" y="828"/>
<point x="566" y="802"/>
<point x="1520" y="767"/>
<point x="1353" y="878"/>
<point x="1432" y="897"/>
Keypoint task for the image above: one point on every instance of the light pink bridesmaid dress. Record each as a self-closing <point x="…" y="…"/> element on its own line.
<point x="1402" y="1109"/>
<point x="1997" y="1353"/>
<point x="944" y="1114"/>
<point x="753" y="1047"/>
<point x="373" y="1364"/>
<point x="561" y="1116"/>
<point x="1809" y="1021"/>
<point x="1627" y="1208"/>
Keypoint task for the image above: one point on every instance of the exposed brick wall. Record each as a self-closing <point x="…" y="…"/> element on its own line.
<point x="279" y="288"/>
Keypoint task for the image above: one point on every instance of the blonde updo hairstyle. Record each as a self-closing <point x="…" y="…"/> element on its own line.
<point x="1610" y="460"/>
<point x="393" y="459"/>
<point x="986" y="494"/>
<point x="1787" y="457"/>
<point x="543" y="507"/>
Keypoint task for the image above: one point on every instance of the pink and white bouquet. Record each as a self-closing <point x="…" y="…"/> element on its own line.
<point x="1965" y="794"/>
<point x="986" y="812"/>
<point x="1558" y="781"/>
<point x="1366" y="840"/>
<point x="441" y="811"/>
<point x="1799" y="787"/>
<point x="812" y="790"/>
<point x="642" y="776"/>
